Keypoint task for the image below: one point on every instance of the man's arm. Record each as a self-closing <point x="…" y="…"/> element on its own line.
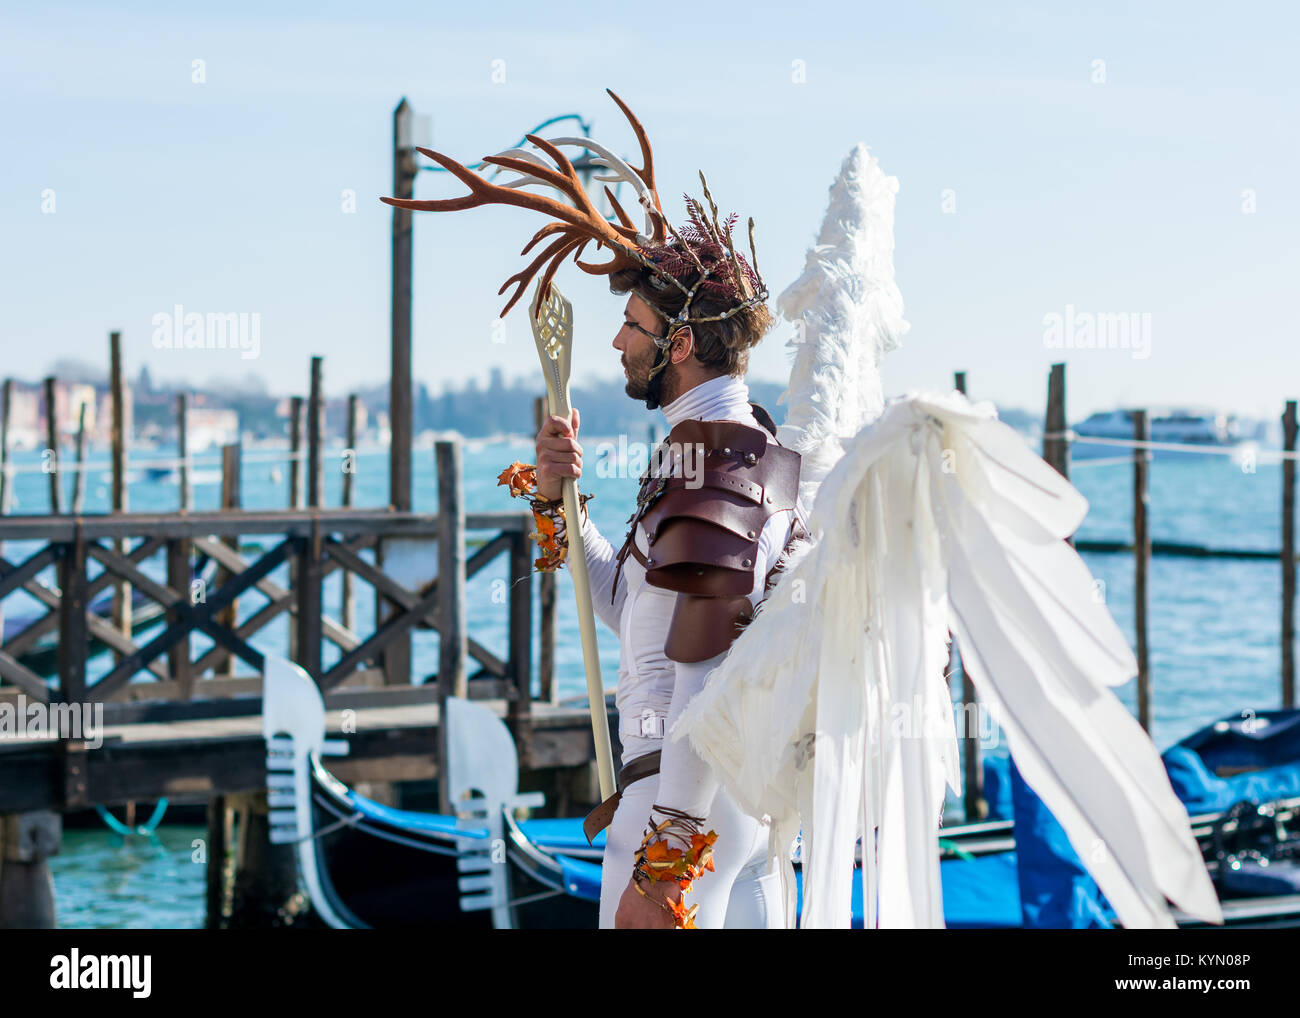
<point x="602" y="565"/>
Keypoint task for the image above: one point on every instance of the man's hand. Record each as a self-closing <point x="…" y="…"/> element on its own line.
<point x="558" y="454"/>
<point x="638" y="912"/>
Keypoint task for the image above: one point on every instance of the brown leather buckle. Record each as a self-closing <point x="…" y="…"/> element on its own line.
<point x="603" y="815"/>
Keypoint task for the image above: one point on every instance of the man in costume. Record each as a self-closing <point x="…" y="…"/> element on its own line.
<point x="828" y="713"/>
<point x="693" y="566"/>
<point x="716" y="511"/>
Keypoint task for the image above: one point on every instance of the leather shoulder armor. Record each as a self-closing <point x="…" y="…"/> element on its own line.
<point x="703" y="527"/>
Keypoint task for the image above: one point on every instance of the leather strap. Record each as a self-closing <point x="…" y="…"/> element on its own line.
<point x="601" y="817"/>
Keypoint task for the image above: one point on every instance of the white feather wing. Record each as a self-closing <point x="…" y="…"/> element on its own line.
<point x="848" y="314"/>
<point x="823" y="714"/>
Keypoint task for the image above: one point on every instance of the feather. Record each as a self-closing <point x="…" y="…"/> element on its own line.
<point x="848" y="314"/>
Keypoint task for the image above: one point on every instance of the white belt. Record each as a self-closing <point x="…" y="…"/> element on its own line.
<point x="649" y="724"/>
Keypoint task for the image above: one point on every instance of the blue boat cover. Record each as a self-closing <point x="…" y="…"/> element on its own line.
<point x="1249" y="740"/>
<point x="1056" y="892"/>
<point x="997" y="787"/>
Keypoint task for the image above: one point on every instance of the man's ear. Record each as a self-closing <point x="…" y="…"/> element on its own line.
<point x="681" y="345"/>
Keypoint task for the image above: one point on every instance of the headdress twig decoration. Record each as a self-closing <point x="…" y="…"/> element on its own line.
<point x="701" y="257"/>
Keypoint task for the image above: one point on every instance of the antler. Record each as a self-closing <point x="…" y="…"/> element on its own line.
<point x="576" y="225"/>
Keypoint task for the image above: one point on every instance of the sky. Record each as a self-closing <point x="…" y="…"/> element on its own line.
<point x="1053" y="160"/>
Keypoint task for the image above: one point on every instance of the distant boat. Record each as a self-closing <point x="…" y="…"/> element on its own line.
<point x="1181" y="427"/>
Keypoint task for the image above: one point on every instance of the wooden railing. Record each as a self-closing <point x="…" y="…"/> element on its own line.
<point x="409" y="559"/>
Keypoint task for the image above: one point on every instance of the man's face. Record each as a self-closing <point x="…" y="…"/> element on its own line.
<point x="638" y="350"/>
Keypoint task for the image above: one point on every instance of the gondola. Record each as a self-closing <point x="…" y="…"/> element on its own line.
<point x="365" y="865"/>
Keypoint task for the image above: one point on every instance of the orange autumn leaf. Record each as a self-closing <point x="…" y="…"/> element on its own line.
<point x="684" y="917"/>
<point x="660" y="854"/>
<point x="519" y="476"/>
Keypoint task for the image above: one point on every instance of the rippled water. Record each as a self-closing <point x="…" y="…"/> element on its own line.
<point x="1214" y="624"/>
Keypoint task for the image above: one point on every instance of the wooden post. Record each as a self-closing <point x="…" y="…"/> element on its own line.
<point x="452" y="638"/>
<point x="315" y="429"/>
<point x="27" y="840"/>
<point x="295" y="500"/>
<point x="546" y="595"/>
<point x="1056" y="448"/>
<point x="349" y="472"/>
<point x="264" y="892"/>
<point x="52" y="444"/>
<point x="179" y="579"/>
<point x="397" y="655"/>
<point x="117" y="383"/>
<point x="218" y="842"/>
<point x="1141" y="559"/>
<point x="307" y="623"/>
<point x="183" y="450"/>
<point x="79" y="481"/>
<point x="230" y="499"/>
<point x="400" y="404"/>
<point x="295" y="452"/>
<point x="519" y="708"/>
<point x="1288" y="554"/>
<point x="74" y="635"/>
<point x="973" y="801"/>
<point x="6" y="488"/>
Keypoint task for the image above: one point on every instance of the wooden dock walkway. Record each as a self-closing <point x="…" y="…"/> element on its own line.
<point x="193" y="761"/>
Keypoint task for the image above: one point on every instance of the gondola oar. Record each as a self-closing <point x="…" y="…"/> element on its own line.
<point x="552" y="322"/>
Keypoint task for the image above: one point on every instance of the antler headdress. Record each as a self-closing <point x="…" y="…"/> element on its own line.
<point x="702" y="256"/>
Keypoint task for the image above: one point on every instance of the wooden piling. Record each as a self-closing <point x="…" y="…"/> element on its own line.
<point x="976" y="807"/>
<point x="1141" y="560"/>
<point x="1289" y="429"/>
<point x="230" y="499"/>
<point x="52" y="445"/>
<point x="396" y="659"/>
<point x="27" y="840"/>
<point x="264" y="894"/>
<point x="315" y="429"/>
<point x="6" y="487"/>
<point x="520" y="584"/>
<point x="547" y="600"/>
<point x="452" y="637"/>
<point x="183" y="452"/>
<point x="79" y="479"/>
<point x="295" y="452"/>
<point x="349" y="606"/>
<point x="400" y="402"/>
<point x="218" y="847"/>
<point x="1056" y="447"/>
<point x="121" y="502"/>
<point x="74" y="631"/>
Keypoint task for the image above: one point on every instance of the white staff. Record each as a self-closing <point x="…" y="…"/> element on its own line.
<point x="552" y="322"/>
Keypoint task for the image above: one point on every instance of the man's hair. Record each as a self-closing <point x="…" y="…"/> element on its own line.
<point x="722" y="345"/>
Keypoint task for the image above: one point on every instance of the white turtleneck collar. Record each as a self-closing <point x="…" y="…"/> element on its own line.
<point x="724" y="398"/>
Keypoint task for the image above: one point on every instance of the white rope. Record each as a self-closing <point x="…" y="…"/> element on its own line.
<point x="1106" y="461"/>
<point x="1133" y="443"/>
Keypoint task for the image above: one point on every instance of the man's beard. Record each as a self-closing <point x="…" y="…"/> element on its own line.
<point x="639" y="383"/>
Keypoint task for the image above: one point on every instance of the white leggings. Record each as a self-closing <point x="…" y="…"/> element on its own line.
<point x="740" y="893"/>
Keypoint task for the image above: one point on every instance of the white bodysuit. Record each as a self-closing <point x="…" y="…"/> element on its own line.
<point x="743" y="891"/>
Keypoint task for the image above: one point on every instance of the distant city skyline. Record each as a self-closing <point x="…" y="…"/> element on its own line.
<point x="1061" y="174"/>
